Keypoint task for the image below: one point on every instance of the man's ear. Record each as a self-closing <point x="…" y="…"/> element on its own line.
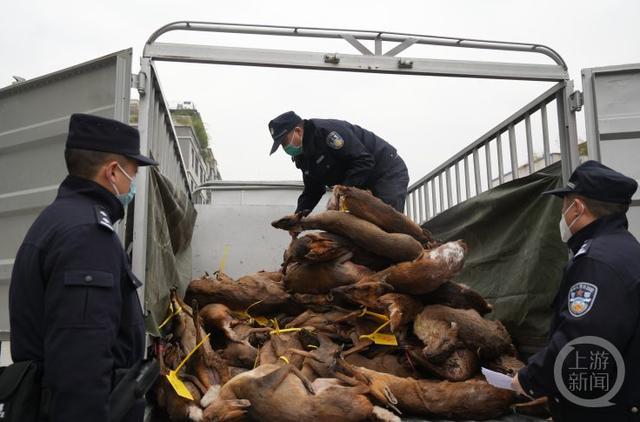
<point x="109" y="170"/>
<point x="581" y="206"/>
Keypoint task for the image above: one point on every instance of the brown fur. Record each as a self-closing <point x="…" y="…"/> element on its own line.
<point x="321" y="277"/>
<point x="238" y="295"/>
<point x="278" y="394"/>
<point x="487" y="338"/>
<point x="472" y="399"/>
<point x="400" y="308"/>
<point x="364" y="205"/>
<point x="458" y="296"/>
<point x="460" y="365"/>
<point x="397" y="247"/>
<point x="426" y="273"/>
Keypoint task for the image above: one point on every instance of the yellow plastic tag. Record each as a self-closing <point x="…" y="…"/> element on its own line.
<point x="382" y="339"/>
<point x="223" y="260"/>
<point x="175" y="382"/>
<point x="178" y="385"/>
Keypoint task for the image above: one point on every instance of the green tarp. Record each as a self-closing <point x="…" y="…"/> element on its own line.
<point x="172" y="218"/>
<point x="515" y="256"/>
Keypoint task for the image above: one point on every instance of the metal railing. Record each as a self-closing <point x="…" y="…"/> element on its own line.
<point x="162" y="138"/>
<point x="489" y="161"/>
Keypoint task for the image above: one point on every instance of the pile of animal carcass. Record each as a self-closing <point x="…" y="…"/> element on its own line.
<point x="363" y="322"/>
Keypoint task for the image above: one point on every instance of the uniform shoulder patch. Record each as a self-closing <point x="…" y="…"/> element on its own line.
<point x="334" y="140"/>
<point x="582" y="296"/>
<point x="583" y="249"/>
<point x="102" y="218"/>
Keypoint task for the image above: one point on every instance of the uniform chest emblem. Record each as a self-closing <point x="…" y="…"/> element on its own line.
<point x="581" y="298"/>
<point x="334" y="140"/>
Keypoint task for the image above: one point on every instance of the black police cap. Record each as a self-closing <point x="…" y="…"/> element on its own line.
<point x="96" y="133"/>
<point x="280" y="126"/>
<point x="595" y="180"/>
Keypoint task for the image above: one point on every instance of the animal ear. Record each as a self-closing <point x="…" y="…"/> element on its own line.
<point x="239" y="403"/>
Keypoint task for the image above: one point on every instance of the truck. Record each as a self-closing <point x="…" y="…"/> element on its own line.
<point x="34" y="118"/>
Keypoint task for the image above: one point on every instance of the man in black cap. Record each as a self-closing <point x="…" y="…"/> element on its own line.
<point x="334" y="152"/>
<point x="73" y="302"/>
<point x="599" y="296"/>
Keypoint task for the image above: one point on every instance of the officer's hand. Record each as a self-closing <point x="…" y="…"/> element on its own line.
<point x="302" y="214"/>
<point x="515" y="384"/>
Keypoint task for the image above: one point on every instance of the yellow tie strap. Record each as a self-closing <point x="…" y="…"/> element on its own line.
<point x="262" y="321"/>
<point x="279" y="331"/>
<point x="175" y="382"/>
<point x="284" y="358"/>
<point x="381" y="317"/>
<point x="171" y="315"/>
<point x="223" y="260"/>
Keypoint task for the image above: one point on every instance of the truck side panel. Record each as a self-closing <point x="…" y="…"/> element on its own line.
<point x="34" y="118"/>
<point x="612" y="117"/>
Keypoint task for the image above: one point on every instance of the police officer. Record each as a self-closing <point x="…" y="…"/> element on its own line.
<point x="73" y="303"/>
<point x="599" y="296"/>
<point x="334" y="152"/>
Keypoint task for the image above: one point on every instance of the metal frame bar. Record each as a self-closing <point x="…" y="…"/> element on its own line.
<point x="368" y="63"/>
<point x="427" y="204"/>
<point x="487" y="152"/>
<point x="500" y="159"/>
<point x="568" y="131"/>
<point x="466" y="177"/>
<point x="530" y="158"/>
<point x="434" y="198"/>
<point x="476" y="171"/>
<point x="141" y="206"/>
<point x="448" y="180"/>
<point x="513" y="152"/>
<point x="545" y="135"/>
<point x="378" y="36"/>
<point x="458" y="188"/>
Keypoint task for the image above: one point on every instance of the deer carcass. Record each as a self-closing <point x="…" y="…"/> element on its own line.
<point x="363" y="204"/>
<point x="398" y="247"/>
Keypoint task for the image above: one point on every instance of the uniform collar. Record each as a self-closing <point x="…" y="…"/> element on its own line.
<point x="597" y="227"/>
<point x="308" y="144"/>
<point x="74" y="185"/>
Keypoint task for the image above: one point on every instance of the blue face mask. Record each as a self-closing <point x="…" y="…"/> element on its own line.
<point x="126" y="198"/>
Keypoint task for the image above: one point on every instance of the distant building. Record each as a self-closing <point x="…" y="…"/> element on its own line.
<point x="200" y="163"/>
<point x="198" y="169"/>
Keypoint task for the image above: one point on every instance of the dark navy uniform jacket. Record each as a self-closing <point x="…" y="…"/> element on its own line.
<point x="337" y="152"/>
<point x="607" y="256"/>
<point x="73" y="302"/>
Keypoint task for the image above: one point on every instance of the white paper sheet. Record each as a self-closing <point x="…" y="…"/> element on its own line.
<point x="497" y="379"/>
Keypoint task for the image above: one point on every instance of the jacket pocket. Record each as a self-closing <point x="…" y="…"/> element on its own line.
<point x="88" y="298"/>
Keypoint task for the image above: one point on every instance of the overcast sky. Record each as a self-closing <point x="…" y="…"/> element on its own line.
<point x="428" y="119"/>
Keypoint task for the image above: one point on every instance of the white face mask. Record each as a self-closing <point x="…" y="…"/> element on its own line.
<point x="565" y="230"/>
